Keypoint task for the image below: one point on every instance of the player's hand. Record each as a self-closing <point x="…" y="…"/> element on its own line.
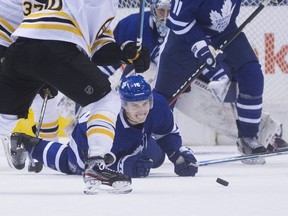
<point x="140" y="60"/>
<point x="185" y="163"/>
<point x="136" y="166"/>
<point x="206" y="54"/>
<point x="51" y="91"/>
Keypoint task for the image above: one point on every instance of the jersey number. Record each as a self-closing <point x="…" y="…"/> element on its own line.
<point x="28" y="8"/>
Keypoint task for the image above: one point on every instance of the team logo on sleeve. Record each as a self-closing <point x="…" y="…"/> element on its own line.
<point x="221" y="20"/>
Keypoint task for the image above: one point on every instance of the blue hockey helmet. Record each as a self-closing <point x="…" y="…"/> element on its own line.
<point x="160" y="10"/>
<point x="134" y="88"/>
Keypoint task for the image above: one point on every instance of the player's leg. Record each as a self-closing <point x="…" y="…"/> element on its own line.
<point x="243" y="61"/>
<point x="89" y="87"/>
<point x="57" y="156"/>
<point x="16" y="90"/>
<point x="176" y="64"/>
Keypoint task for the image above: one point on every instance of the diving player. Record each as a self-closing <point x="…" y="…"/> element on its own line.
<point x="145" y="131"/>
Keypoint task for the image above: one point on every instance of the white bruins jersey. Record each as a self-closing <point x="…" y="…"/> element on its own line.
<point x="12" y="13"/>
<point x="84" y="23"/>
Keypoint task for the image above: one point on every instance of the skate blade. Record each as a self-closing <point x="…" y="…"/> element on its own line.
<point x="256" y="161"/>
<point x="5" y="142"/>
<point x="96" y="187"/>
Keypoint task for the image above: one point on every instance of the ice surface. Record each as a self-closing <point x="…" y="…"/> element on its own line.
<point x="253" y="191"/>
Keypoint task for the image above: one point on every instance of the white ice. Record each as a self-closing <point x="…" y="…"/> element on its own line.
<point x="253" y="191"/>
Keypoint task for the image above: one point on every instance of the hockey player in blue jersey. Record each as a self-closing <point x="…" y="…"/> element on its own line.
<point x="154" y="28"/>
<point x="145" y="131"/>
<point x="154" y="32"/>
<point x="196" y="29"/>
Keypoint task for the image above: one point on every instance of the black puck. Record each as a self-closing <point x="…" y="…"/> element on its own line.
<point x="222" y="182"/>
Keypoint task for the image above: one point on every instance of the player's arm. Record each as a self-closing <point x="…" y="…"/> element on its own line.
<point x="183" y="24"/>
<point x="109" y="52"/>
<point x="170" y="141"/>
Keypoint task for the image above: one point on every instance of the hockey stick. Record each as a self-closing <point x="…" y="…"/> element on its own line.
<point x="240" y="158"/>
<point x="221" y="48"/>
<point x="69" y="128"/>
<point x="140" y="25"/>
<point x="36" y="166"/>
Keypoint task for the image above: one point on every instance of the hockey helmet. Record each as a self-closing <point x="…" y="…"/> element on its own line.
<point x="160" y="10"/>
<point x="134" y="88"/>
<point x="136" y="98"/>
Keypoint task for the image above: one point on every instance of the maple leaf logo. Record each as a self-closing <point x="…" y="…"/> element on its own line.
<point x="221" y="20"/>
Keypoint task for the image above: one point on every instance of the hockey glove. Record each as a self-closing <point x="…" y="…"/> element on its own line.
<point x="135" y="166"/>
<point x="140" y="61"/>
<point x="184" y="162"/>
<point x="52" y="92"/>
<point x="206" y="54"/>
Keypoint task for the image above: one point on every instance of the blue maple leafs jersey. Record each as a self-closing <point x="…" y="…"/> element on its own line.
<point x="194" y="20"/>
<point x="126" y="29"/>
<point x="159" y="124"/>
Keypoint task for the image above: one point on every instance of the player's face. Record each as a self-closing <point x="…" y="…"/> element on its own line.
<point x="162" y="14"/>
<point x="137" y="111"/>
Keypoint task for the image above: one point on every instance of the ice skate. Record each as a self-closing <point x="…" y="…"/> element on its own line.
<point x="17" y="146"/>
<point x="6" y="144"/>
<point x="97" y="176"/>
<point x="220" y="87"/>
<point x="247" y="145"/>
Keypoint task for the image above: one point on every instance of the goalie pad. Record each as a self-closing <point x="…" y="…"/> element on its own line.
<point x="200" y="105"/>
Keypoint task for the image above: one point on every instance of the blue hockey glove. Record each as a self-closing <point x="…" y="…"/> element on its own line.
<point x="140" y="61"/>
<point x="52" y="91"/>
<point x="206" y="54"/>
<point x="185" y="163"/>
<point x="135" y="166"/>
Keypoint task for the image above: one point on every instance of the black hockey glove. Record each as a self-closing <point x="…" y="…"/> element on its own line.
<point x="140" y="61"/>
<point x="52" y="92"/>
<point x="185" y="163"/>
